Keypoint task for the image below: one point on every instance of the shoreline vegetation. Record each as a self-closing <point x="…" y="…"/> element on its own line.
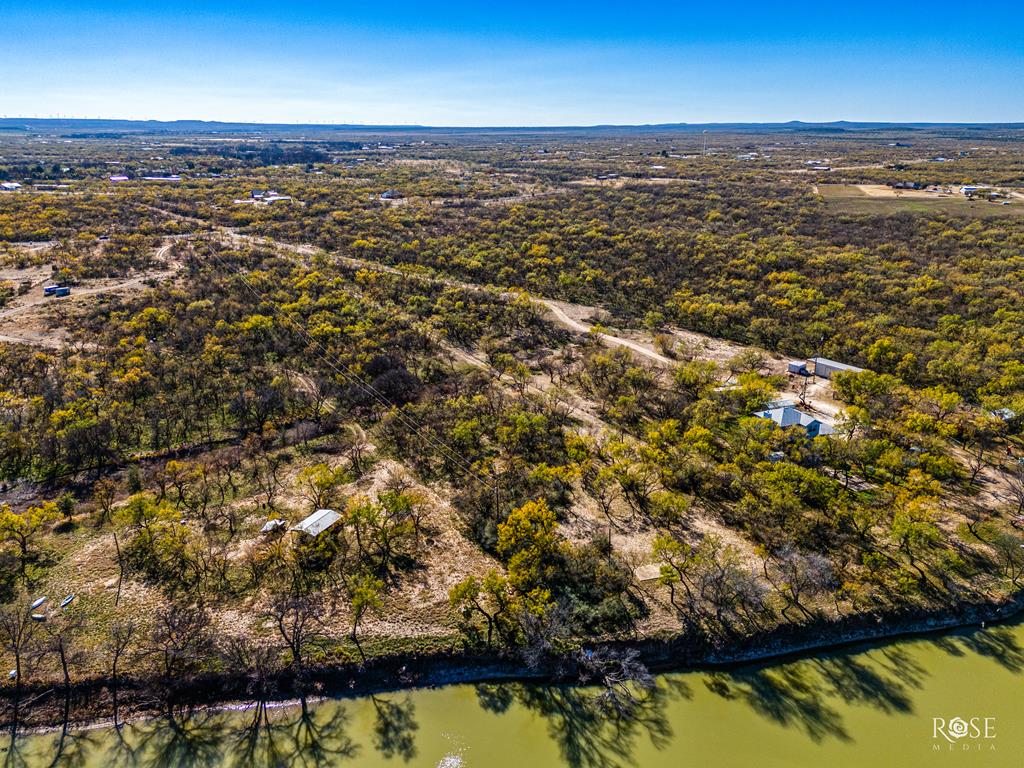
<point x="89" y="703"/>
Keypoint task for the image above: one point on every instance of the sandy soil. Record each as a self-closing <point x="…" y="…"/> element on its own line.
<point x="883" y="190"/>
<point x="566" y="315"/>
<point x="33" y="318"/>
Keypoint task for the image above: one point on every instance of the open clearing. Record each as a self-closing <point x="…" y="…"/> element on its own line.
<point x="33" y="318"/>
<point x="882" y="200"/>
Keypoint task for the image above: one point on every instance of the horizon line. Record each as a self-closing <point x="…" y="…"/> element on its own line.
<point x="854" y="124"/>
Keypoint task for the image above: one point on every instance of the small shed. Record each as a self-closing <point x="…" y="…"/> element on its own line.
<point x="318" y="522"/>
<point x="798" y="367"/>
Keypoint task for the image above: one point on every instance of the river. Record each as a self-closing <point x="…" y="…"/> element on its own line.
<point x="866" y="706"/>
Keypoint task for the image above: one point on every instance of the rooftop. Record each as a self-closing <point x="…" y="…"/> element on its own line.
<point x="786" y="414"/>
<point x="318" y="522"/>
<point x="835" y="364"/>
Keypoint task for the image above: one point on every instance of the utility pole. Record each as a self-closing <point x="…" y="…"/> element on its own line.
<point x="704" y="147"/>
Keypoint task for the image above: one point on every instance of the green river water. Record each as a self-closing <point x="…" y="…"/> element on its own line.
<point x="869" y="706"/>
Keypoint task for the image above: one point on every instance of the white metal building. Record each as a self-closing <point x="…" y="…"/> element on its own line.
<point x="824" y="367"/>
<point x="318" y="522"/>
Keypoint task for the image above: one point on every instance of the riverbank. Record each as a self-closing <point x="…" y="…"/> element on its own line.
<point x="91" y="701"/>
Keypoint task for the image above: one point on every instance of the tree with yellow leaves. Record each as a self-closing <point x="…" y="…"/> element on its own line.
<point x="23" y="529"/>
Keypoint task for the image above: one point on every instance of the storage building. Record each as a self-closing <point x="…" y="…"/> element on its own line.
<point x="824" y="367"/>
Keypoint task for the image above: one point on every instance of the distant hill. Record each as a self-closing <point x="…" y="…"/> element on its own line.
<point x="102" y="129"/>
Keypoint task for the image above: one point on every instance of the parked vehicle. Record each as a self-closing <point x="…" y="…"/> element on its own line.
<point x="49" y="290"/>
<point x="62" y="291"/>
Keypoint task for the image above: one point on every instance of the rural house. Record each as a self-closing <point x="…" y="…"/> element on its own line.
<point x="785" y="414"/>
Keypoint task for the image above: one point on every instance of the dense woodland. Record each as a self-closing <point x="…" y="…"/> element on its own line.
<point x="507" y="484"/>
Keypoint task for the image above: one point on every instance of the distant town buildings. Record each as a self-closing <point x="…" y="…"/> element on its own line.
<point x="264" y="197"/>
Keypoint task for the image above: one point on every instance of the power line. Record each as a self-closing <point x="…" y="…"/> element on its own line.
<point x="447" y="451"/>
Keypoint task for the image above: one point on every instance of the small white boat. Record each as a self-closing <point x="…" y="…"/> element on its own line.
<point x="12" y="674"/>
<point x="66" y="601"/>
<point x="37" y="602"/>
<point x="38" y="617"/>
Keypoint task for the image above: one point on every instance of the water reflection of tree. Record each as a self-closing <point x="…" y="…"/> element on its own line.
<point x="787" y="695"/>
<point x="14" y="756"/>
<point x="591" y="729"/>
<point x="254" y="742"/>
<point x="180" y="741"/>
<point x="72" y="748"/>
<point x="395" y="728"/>
<point x="66" y="748"/>
<point x="589" y="733"/>
<point x="318" y="736"/>
<point x="300" y="736"/>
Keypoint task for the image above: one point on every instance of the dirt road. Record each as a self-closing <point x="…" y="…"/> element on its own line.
<point x="35" y="299"/>
<point x="557" y="309"/>
<point x="15" y="330"/>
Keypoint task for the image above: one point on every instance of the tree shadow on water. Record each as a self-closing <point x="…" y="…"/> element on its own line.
<point x="259" y="736"/>
<point x="998" y="643"/>
<point x="180" y="741"/>
<point x="73" y="749"/>
<point x="883" y="685"/>
<point x="13" y="754"/>
<point x="589" y="732"/>
<point x="805" y="694"/>
<point x="314" y="737"/>
<point x="395" y="729"/>
<point x="785" y="695"/>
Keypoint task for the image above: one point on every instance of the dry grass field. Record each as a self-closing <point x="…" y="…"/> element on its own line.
<point x="881" y="200"/>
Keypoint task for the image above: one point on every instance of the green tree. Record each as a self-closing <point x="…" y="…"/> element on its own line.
<point x="24" y="529"/>
<point x="365" y="595"/>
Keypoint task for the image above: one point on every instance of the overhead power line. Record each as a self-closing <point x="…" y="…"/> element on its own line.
<point x="449" y="452"/>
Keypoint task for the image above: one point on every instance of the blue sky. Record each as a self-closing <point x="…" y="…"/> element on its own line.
<point x="528" y="63"/>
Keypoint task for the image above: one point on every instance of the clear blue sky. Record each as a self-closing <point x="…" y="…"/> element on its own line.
<point x="524" y="63"/>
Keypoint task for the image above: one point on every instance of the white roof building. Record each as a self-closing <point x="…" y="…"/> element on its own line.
<point x="318" y="522"/>
<point x="824" y="367"/>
